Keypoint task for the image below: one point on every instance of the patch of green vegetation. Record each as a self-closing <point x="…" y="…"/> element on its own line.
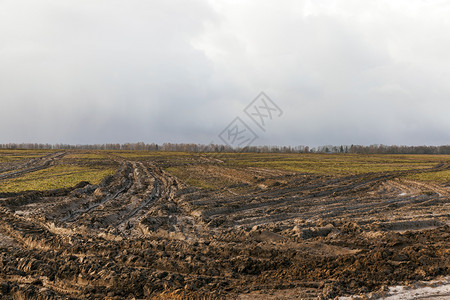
<point x="9" y="158"/>
<point x="200" y="184"/>
<point x="441" y="176"/>
<point x="85" y="156"/>
<point x="8" y="155"/>
<point x="334" y="168"/>
<point x="25" y="152"/>
<point x="330" y="164"/>
<point x="186" y="176"/>
<point x="161" y="158"/>
<point x="144" y="154"/>
<point x="60" y="176"/>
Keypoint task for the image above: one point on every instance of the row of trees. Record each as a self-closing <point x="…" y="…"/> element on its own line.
<point x="372" y="149"/>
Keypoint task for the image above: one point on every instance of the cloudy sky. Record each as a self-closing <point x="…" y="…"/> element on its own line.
<point x="343" y="72"/>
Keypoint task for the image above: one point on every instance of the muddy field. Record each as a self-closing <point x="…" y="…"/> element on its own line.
<point x="197" y="226"/>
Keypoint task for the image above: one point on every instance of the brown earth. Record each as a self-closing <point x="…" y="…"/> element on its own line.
<point x="143" y="233"/>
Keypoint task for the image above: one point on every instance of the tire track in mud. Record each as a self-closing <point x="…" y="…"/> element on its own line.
<point x="132" y="179"/>
<point x="154" y="195"/>
<point x="288" y="198"/>
<point x="31" y="234"/>
<point x="20" y="164"/>
<point x="119" y="203"/>
<point x="35" y="164"/>
<point x="93" y="203"/>
<point x="145" y="188"/>
<point x="150" y="186"/>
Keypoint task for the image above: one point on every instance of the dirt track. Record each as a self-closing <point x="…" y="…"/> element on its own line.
<point x="144" y="233"/>
<point x="12" y="170"/>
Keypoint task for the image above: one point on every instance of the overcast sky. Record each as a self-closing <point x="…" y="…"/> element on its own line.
<point x="343" y="72"/>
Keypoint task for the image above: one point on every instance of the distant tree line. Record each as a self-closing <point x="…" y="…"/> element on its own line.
<point x="372" y="149"/>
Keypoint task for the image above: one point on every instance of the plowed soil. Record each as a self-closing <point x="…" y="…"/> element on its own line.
<point x="144" y="233"/>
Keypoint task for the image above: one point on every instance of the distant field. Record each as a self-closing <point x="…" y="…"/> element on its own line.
<point x="332" y="164"/>
<point x="210" y="170"/>
<point x="336" y="165"/>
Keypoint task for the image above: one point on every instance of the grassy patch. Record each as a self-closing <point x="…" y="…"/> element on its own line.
<point x="85" y="156"/>
<point x="15" y="156"/>
<point x="441" y="176"/>
<point x="60" y="176"/>
<point x="185" y="175"/>
<point x="9" y="158"/>
<point x="145" y="154"/>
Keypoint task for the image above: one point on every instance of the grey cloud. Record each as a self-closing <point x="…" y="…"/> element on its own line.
<point x="118" y="71"/>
